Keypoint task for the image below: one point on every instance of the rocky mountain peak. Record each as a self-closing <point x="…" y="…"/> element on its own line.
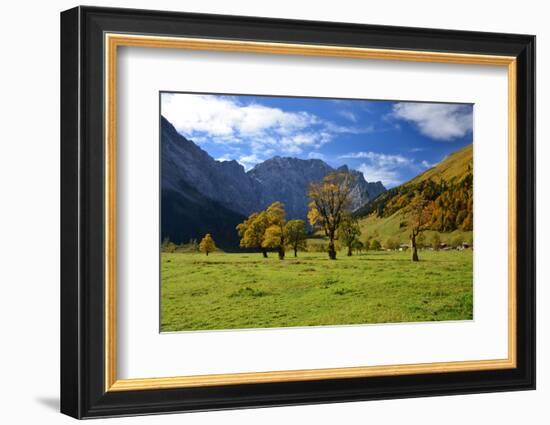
<point x="185" y="165"/>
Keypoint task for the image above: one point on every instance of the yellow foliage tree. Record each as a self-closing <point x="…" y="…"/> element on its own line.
<point x="275" y="234"/>
<point x="252" y="231"/>
<point x="329" y="200"/>
<point x="207" y="244"/>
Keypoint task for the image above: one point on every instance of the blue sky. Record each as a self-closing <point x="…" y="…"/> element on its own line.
<point x="388" y="141"/>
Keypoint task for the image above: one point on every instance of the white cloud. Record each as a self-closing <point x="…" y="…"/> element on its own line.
<point x="227" y="120"/>
<point x="380" y="166"/>
<point x="386" y="167"/>
<point x="316" y="155"/>
<point x="226" y="117"/>
<point x="223" y="158"/>
<point x="435" y="120"/>
<point x="249" y="161"/>
<point x="380" y="159"/>
<point x="329" y="126"/>
<point x="297" y="142"/>
<point x="375" y="172"/>
<point x="348" y="115"/>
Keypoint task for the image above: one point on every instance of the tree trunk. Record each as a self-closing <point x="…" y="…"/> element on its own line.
<point x="295" y="251"/>
<point x="207" y="253"/>
<point x="413" y="247"/>
<point x="281" y="252"/>
<point x="349" y="251"/>
<point x="264" y="252"/>
<point x="331" y="250"/>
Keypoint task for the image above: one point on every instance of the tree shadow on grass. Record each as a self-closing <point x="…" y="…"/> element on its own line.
<point x="392" y="260"/>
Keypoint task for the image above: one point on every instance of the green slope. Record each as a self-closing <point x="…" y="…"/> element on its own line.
<point x="454" y="166"/>
<point x="384" y="228"/>
<point x="375" y="220"/>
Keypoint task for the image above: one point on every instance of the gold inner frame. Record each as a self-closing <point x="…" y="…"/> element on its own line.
<point x="113" y="41"/>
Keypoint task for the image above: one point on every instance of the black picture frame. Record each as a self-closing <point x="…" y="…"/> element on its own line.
<point x="83" y="392"/>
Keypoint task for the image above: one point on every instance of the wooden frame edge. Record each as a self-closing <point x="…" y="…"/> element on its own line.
<point x="306" y="375"/>
<point x="114" y="40"/>
<point x="110" y="213"/>
<point x="512" y="212"/>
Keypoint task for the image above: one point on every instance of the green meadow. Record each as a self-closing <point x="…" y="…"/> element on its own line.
<point x="244" y="290"/>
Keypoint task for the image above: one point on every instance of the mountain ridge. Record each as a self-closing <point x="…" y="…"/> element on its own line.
<point x="198" y="191"/>
<point x="298" y="174"/>
<point x="248" y="191"/>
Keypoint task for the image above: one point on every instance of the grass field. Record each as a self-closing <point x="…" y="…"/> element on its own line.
<point x="383" y="228"/>
<point x="244" y="290"/>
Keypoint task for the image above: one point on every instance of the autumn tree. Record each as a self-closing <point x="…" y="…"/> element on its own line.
<point x="252" y="231"/>
<point x="296" y="235"/>
<point x="349" y="232"/>
<point x="207" y="244"/>
<point x="275" y="233"/>
<point x="329" y="200"/>
<point x="420" y="215"/>
<point x="452" y="201"/>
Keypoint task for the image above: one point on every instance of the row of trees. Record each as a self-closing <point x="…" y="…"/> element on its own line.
<point x="349" y="234"/>
<point x="269" y="229"/>
<point x="329" y="212"/>
<point x="434" y="242"/>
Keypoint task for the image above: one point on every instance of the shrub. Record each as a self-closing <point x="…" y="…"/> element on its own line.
<point x="375" y="245"/>
<point x="191" y="246"/>
<point x="168" y="246"/>
<point x="456" y="242"/>
<point x="317" y="246"/>
<point x="392" y="243"/>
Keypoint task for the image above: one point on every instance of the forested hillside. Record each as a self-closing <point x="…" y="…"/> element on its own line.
<point x="448" y="187"/>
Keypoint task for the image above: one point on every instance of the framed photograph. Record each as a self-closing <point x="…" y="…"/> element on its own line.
<point x="261" y="212"/>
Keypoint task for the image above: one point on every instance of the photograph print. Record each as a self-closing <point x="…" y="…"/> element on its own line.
<point x="284" y="212"/>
